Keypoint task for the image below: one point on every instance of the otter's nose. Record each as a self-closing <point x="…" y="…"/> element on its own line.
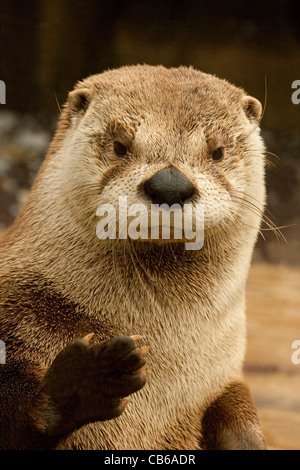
<point x="169" y="186"/>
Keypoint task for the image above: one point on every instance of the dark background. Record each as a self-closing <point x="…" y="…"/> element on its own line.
<point x="47" y="45"/>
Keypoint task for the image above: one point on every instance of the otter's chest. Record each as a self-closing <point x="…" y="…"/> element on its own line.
<point x="189" y="361"/>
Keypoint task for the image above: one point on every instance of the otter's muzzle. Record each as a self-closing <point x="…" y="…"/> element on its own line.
<point x="169" y="186"/>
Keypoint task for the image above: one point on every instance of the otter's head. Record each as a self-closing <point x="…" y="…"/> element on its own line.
<point x="145" y="136"/>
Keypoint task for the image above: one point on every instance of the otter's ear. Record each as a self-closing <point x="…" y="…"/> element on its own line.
<point x="79" y="99"/>
<point x="252" y="108"/>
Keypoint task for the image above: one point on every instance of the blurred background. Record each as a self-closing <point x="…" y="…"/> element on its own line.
<point x="48" y="45"/>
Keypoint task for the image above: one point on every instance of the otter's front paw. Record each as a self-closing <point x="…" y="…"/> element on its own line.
<point x="88" y="383"/>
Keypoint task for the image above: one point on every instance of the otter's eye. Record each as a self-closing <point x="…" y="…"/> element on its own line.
<point x="218" y="154"/>
<point x="119" y="149"/>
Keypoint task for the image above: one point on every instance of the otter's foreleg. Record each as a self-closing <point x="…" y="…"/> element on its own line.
<point x="231" y="421"/>
<point x="84" y="384"/>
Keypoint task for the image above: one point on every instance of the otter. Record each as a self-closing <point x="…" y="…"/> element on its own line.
<point x="90" y="324"/>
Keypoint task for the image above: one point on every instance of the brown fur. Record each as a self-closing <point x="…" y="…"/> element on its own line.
<point x="59" y="282"/>
<point x="230" y="422"/>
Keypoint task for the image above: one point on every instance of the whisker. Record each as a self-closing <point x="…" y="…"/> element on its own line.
<point x="269" y="162"/>
<point x="263" y="209"/>
<point x="171" y="248"/>
<point x="271" y="228"/>
<point x="273" y="155"/>
<point x="277" y="164"/>
<point x="256" y="210"/>
<point x="254" y="206"/>
<point x="282" y="226"/>
<point x="262" y="157"/>
<point x="265" y="99"/>
<point x="136" y="261"/>
<point x="250" y="226"/>
<point x="57" y="103"/>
